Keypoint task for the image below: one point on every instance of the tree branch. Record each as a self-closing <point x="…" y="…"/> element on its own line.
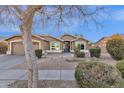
<point x="17" y="9"/>
<point x="18" y="12"/>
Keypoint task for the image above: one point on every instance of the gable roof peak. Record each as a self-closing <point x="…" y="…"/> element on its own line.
<point x="68" y="35"/>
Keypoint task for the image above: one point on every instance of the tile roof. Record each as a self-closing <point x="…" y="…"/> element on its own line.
<point x="21" y="36"/>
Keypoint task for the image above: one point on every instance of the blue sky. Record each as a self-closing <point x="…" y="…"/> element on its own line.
<point x="112" y="25"/>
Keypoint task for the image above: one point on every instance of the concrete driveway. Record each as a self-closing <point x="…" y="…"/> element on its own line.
<point x="7" y="75"/>
<point x="8" y="61"/>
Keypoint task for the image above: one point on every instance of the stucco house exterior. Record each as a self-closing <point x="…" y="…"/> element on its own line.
<point x="54" y="45"/>
<point x="102" y="43"/>
<point x="15" y="45"/>
<point x="48" y="43"/>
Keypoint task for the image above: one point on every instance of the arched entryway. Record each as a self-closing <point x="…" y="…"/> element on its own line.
<point x="67" y="46"/>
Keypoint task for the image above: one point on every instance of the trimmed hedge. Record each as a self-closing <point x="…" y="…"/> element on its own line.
<point x="97" y="75"/>
<point x="38" y="53"/>
<point x="115" y="47"/>
<point x="95" y="52"/>
<point x="120" y="67"/>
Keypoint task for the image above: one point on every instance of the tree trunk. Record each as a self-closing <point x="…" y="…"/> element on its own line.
<point x="26" y="29"/>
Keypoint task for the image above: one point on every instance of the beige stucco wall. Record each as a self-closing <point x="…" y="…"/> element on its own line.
<point x="102" y="45"/>
<point x="73" y="46"/>
<point x="51" y="39"/>
<point x="103" y="49"/>
<point x="87" y="46"/>
<point x="61" y="46"/>
<point x="45" y="45"/>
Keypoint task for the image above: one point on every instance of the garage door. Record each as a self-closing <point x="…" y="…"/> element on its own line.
<point x="18" y="49"/>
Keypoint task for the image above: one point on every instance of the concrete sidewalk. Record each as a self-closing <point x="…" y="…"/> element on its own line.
<point x="54" y="75"/>
<point x="9" y="76"/>
<point x="8" y="61"/>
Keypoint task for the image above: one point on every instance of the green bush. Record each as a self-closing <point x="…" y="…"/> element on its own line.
<point x="80" y="54"/>
<point x="38" y="53"/>
<point x="77" y="52"/>
<point x="115" y="47"/>
<point x="97" y="75"/>
<point x="95" y="52"/>
<point x="3" y="48"/>
<point x="120" y="67"/>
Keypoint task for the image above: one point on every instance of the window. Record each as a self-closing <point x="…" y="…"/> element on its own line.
<point x="55" y="46"/>
<point x="80" y="46"/>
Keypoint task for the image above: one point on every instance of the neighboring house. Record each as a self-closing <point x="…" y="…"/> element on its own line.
<point x="102" y="44"/>
<point x="50" y="44"/>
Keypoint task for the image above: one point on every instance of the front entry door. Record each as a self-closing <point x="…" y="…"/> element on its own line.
<point x="67" y="46"/>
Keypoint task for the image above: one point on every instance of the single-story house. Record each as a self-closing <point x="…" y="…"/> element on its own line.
<point x="48" y="43"/>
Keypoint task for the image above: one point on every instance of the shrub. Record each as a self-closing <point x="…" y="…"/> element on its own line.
<point x="97" y="74"/>
<point x="38" y="53"/>
<point x="115" y="47"/>
<point x="80" y="54"/>
<point x="120" y="67"/>
<point x="3" y="48"/>
<point x="77" y="52"/>
<point x="95" y="52"/>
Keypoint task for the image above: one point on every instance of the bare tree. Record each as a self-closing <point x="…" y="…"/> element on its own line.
<point x="23" y="16"/>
